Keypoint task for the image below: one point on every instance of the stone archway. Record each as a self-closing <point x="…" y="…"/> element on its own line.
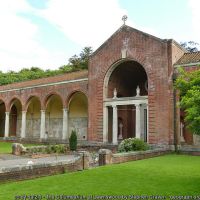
<point x="125" y="98"/>
<point x="54" y="117"/>
<point x="33" y="118"/>
<point x="15" y="119"/>
<point x="78" y="115"/>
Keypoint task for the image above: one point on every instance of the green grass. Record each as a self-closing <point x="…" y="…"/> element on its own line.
<point x="166" y="175"/>
<point x="6" y="147"/>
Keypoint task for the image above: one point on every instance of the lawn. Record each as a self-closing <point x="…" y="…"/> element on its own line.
<point x="6" y="147"/>
<point x="165" y="175"/>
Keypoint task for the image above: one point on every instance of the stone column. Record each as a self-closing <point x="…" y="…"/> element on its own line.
<point x="42" y="125"/>
<point x="137" y="121"/>
<point x="105" y="124"/>
<point x="23" y="129"/>
<point x="147" y="123"/>
<point x="65" y="124"/>
<point x="6" y="133"/>
<point x="115" y="125"/>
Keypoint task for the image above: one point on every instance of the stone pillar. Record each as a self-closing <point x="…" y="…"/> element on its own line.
<point x="65" y="124"/>
<point x="23" y="129"/>
<point x="105" y="124"/>
<point x="42" y="125"/>
<point x="137" y="121"/>
<point x="105" y="157"/>
<point x="6" y="133"/>
<point x="147" y="123"/>
<point x="115" y="125"/>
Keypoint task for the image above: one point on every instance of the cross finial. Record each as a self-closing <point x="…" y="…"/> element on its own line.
<point x="124" y="18"/>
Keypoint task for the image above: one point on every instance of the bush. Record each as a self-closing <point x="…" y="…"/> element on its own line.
<point x="73" y="141"/>
<point x="132" y="144"/>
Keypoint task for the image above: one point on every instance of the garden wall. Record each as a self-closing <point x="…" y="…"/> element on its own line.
<point x="80" y="162"/>
<point x="106" y="157"/>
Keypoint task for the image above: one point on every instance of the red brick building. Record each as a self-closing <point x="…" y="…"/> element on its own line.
<point x="126" y="92"/>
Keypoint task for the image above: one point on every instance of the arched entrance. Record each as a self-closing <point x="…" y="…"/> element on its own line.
<point x="33" y="118"/>
<point x="78" y="115"/>
<point x="15" y="118"/>
<point x="2" y="118"/>
<point x="125" y="102"/>
<point x="54" y="117"/>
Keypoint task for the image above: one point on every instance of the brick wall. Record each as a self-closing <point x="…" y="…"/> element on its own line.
<point x="155" y="56"/>
<point x="106" y="156"/>
<point x="64" y="90"/>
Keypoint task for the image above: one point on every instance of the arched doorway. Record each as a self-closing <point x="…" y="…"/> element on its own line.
<point x="54" y="117"/>
<point x="125" y="102"/>
<point x="33" y="118"/>
<point x="78" y="115"/>
<point x="15" y="118"/>
<point x="2" y="118"/>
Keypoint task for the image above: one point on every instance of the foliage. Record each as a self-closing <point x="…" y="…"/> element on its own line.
<point x="132" y="144"/>
<point x="6" y="147"/>
<point x="76" y="63"/>
<point x="59" y="148"/>
<point x="81" y="61"/>
<point x="73" y="141"/>
<point x="188" y="83"/>
<point x="163" y="176"/>
<point x="190" y="46"/>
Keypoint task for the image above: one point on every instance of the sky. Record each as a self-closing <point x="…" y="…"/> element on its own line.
<point x="46" y="33"/>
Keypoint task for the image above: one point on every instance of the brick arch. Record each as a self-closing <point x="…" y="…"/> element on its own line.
<point x="111" y="69"/>
<point x="11" y="103"/>
<point x="69" y="97"/>
<point x="1" y="99"/>
<point x="28" y="101"/>
<point x="48" y="96"/>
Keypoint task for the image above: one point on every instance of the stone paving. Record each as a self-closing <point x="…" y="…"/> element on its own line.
<point x="12" y="161"/>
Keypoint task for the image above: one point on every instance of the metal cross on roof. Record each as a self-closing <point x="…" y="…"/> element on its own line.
<point x="124" y="18"/>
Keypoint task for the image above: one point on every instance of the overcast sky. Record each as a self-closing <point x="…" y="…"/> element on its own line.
<point x="45" y="33"/>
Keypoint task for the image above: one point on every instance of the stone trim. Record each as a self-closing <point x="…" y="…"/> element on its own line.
<point x="80" y="162"/>
<point x="44" y="85"/>
<point x="106" y="156"/>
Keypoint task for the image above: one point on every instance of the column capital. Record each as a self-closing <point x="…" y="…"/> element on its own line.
<point x="7" y="113"/>
<point x="24" y="111"/>
<point x="137" y="104"/>
<point x="65" y="110"/>
<point x="114" y="106"/>
<point x="42" y="111"/>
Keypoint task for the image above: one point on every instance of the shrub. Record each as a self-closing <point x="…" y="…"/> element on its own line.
<point x="132" y="144"/>
<point x="73" y="141"/>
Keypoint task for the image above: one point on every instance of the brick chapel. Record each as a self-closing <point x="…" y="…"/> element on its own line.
<point x="126" y="92"/>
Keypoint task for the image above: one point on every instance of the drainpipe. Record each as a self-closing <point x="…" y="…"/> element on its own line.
<point x="174" y="113"/>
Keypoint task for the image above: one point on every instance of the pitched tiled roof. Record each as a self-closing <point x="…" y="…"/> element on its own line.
<point x="189" y="58"/>
<point x="52" y="79"/>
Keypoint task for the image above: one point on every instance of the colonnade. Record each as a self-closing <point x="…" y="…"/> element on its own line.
<point x="42" y="124"/>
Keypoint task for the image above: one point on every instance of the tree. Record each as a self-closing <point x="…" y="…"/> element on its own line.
<point x="188" y="83"/>
<point x="190" y="46"/>
<point x="81" y="61"/>
<point x="73" y="141"/>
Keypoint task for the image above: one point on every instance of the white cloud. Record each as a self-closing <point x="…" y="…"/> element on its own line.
<point x="88" y="22"/>
<point x="195" y="5"/>
<point x="19" y="47"/>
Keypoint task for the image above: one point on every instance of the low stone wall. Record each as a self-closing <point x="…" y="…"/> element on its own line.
<point x="106" y="157"/>
<point x="80" y="162"/>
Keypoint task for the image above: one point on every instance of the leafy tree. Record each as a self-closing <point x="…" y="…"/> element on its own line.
<point x="81" y="61"/>
<point x="75" y="63"/>
<point x="190" y="46"/>
<point x="188" y="83"/>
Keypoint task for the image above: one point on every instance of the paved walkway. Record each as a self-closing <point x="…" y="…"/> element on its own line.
<point x="12" y="161"/>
